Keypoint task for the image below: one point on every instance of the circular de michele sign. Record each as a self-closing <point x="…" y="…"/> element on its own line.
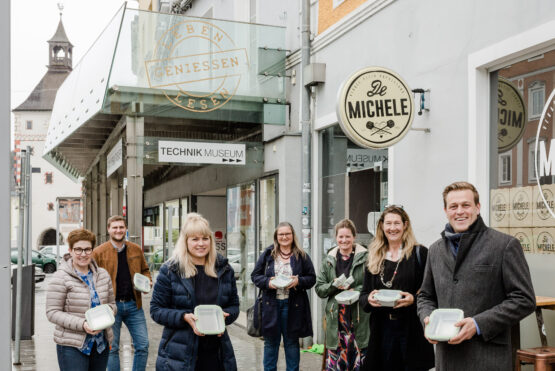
<point x="511" y="115"/>
<point x="375" y="107"/>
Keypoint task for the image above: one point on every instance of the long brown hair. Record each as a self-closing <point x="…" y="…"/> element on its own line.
<point x="379" y="245"/>
<point x="295" y="247"/>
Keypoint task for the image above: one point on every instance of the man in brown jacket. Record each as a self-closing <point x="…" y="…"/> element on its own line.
<point x="122" y="259"/>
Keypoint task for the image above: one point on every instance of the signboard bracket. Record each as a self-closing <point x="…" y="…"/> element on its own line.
<point x="425" y="130"/>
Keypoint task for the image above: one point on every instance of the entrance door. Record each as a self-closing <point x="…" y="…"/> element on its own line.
<point x="364" y="196"/>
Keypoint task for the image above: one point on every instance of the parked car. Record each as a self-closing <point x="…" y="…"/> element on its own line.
<point x="51" y="250"/>
<point x="45" y="262"/>
<point x="154" y="259"/>
<point x="39" y="273"/>
<point x="234" y="259"/>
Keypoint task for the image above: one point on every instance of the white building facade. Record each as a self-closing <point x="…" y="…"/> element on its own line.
<point x="31" y="122"/>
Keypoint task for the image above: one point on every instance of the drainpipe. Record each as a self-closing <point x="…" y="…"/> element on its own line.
<point x="306" y="217"/>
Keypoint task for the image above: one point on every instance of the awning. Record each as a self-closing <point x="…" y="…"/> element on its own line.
<point x="171" y="70"/>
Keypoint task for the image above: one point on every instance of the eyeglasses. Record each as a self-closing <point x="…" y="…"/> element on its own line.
<point x="79" y="251"/>
<point x="282" y="235"/>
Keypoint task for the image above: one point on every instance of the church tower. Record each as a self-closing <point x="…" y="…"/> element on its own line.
<point x="60" y="50"/>
<point x="31" y="121"/>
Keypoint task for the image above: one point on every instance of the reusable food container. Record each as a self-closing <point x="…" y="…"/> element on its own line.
<point x="349" y="281"/>
<point x="441" y="326"/>
<point x="340" y="281"/>
<point x="387" y="298"/>
<point x="282" y="281"/>
<point x="100" y="317"/>
<point x="210" y="319"/>
<point x="141" y="283"/>
<point x="347" y="297"/>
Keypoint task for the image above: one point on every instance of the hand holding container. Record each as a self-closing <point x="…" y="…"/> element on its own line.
<point x="388" y="298"/>
<point x="141" y="283"/>
<point x="100" y="317"/>
<point x="442" y="324"/>
<point x="210" y="319"/>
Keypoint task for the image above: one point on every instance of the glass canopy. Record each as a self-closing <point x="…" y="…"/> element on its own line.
<point x="173" y="66"/>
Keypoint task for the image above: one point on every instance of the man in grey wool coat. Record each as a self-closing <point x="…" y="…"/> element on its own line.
<point x="483" y="272"/>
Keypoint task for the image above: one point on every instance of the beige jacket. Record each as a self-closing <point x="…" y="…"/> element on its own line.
<point x="68" y="298"/>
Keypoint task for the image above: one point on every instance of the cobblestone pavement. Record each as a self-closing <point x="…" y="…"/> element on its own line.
<point x="39" y="354"/>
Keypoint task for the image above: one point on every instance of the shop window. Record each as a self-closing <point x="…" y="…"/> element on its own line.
<point x="48" y="178"/>
<point x="29" y="125"/>
<point x="505" y="167"/>
<point x="536" y="100"/>
<point x="531" y="164"/>
<point x="354" y="185"/>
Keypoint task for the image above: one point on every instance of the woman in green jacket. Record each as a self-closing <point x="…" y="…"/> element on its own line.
<point x="347" y="329"/>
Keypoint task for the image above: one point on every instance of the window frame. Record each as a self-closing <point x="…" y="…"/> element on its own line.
<point x="49" y="174"/>
<point x="536" y="86"/>
<point x="501" y="179"/>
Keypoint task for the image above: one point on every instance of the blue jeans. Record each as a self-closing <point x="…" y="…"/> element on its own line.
<point x="71" y="359"/>
<point x="290" y="346"/>
<point x="135" y="321"/>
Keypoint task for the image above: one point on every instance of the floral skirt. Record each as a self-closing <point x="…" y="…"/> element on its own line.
<point x="347" y="356"/>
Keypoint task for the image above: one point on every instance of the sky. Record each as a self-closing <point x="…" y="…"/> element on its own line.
<point x="33" y="22"/>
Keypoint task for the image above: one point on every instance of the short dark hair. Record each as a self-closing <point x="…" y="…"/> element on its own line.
<point x="460" y="186"/>
<point x="346" y="223"/>
<point x="81" y="234"/>
<point x="116" y="218"/>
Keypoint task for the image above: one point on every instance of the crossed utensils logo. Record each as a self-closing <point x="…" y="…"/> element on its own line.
<point x="380" y="130"/>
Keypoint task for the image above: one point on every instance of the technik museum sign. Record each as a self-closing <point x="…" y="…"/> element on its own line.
<point x="375" y="107"/>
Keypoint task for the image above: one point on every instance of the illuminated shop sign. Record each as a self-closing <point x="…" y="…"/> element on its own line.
<point x="375" y="107"/>
<point x="511" y="115"/>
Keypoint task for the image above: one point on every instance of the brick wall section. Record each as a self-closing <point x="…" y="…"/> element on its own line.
<point x="327" y="16"/>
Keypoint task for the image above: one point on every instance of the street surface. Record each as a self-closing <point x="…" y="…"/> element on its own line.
<point x="39" y="354"/>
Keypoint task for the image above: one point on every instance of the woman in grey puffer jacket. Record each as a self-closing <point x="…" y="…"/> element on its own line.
<point x="78" y="285"/>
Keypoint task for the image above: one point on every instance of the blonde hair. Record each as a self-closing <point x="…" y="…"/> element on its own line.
<point x="194" y="225"/>
<point x="295" y="248"/>
<point x="379" y="245"/>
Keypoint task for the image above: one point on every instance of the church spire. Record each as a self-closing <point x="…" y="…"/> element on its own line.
<point x="60" y="50"/>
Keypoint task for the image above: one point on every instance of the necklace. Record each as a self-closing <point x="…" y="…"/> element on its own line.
<point x="389" y="283"/>
<point x="285" y="256"/>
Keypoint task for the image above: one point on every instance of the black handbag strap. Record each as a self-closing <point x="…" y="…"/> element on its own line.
<point x="260" y="290"/>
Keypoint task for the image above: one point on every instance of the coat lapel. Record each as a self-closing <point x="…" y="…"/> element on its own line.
<point x="467" y="241"/>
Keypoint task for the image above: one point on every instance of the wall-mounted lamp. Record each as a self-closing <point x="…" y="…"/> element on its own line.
<point x="424" y="104"/>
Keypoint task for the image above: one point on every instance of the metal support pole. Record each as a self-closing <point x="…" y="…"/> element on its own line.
<point x="306" y="217"/>
<point x="57" y="230"/>
<point x="27" y="209"/>
<point x="170" y="232"/>
<point x="134" y="132"/>
<point x="5" y="201"/>
<point x="21" y="238"/>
